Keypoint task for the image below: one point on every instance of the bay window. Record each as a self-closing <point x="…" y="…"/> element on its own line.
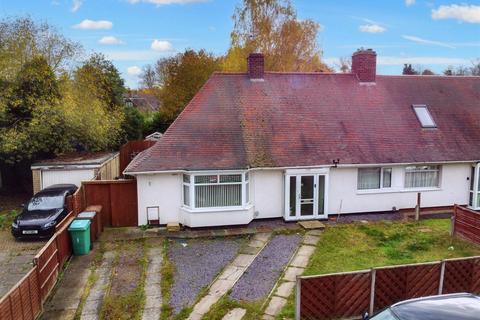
<point x="215" y="190"/>
<point x="374" y="178"/>
<point x="422" y="176"/>
<point x="474" y="198"/>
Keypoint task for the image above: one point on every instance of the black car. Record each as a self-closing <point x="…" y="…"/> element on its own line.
<point x="43" y="212"/>
<point x="458" y="306"/>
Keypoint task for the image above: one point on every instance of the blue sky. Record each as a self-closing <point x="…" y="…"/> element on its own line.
<point x="132" y="33"/>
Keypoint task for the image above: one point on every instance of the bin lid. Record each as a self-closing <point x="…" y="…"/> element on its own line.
<point x="87" y="214"/>
<point x="79" y="225"/>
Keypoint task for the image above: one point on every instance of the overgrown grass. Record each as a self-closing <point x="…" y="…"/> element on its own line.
<point x="362" y="246"/>
<point x="167" y="281"/>
<point x="130" y="305"/>
<point x="225" y="304"/>
<point x="6" y="219"/>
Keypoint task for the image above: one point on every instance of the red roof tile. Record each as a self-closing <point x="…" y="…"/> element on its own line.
<point x="309" y="119"/>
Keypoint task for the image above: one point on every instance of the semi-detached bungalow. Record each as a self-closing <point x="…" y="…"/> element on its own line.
<point x="303" y="145"/>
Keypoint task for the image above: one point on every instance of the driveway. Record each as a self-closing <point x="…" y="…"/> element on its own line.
<point x="15" y="259"/>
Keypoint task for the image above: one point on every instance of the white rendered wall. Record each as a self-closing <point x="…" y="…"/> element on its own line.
<point x="50" y="177"/>
<point x="267" y="189"/>
<point x="345" y="198"/>
<point x="160" y="190"/>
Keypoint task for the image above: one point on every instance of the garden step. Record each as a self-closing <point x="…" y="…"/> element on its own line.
<point x="312" y="224"/>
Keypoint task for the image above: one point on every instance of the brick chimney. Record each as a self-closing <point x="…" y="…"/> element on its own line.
<point x="364" y="64"/>
<point x="255" y="64"/>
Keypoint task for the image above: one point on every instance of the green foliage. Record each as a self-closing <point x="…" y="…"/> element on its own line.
<point x="179" y="78"/>
<point x="132" y="126"/>
<point x="272" y="28"/>
<point x="6" y="219"/>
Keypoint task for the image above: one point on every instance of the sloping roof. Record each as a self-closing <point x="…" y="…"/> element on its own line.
<point x="309" y="119"/>
<point x="76" y="159"/>
<point x="145" y="102"/>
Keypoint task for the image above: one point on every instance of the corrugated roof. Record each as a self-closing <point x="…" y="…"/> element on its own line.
<point x="309" y="119"/>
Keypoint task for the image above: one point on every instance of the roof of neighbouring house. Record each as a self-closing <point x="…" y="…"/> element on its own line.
<point x="75" y="159"/>
<point x="310" y="119"/>
<point x="145" y="102"/>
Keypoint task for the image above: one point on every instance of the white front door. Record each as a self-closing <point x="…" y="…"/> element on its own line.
<point x="305" y="196"/>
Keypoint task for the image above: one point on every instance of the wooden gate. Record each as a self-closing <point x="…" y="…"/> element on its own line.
<point x="118" y="199"/>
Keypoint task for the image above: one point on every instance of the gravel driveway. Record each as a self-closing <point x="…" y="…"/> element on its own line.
<point x="263" y="273"/>
<point x="196" y="263"/>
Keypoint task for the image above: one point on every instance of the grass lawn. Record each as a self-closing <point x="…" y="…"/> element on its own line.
<point x="357" y="246"/>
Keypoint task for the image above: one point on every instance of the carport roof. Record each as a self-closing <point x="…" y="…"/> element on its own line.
<point x="76" y="159"/>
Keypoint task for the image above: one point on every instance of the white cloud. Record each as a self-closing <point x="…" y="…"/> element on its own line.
<point x="461" y="12"/>
<point x="110" y="40"/>
<point x="134" y="71"/>
<point x="166" y="2"/>
<point x="76" y="4"/>
<point x="94" y="25"/>
<point x="161" y="45"/>
<point x="372" y="28"/>
<point x="409" y="3"/>
<point x="426" y="41"/>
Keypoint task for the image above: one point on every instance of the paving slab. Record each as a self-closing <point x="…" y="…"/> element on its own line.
<point x="315" y="232"/>
<point x="220" y="287"/>
<point x="292" y="273"/>
<point x="243" y="260"/>
<point x="312" y="240"/>
<point x="231" y="273"/>
<point x="235" y="314"/>
<point x="262" y="236"/>
<point x="306" y="250"/>
<point x="153" y="289"/>
<point x="285" y="289"/>
<point x="300" y="261"/>
<point x="275" y="306"/>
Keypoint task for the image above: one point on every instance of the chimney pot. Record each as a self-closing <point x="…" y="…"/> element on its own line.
<point x="256" y="65"/>
<point x="364" y="64"/>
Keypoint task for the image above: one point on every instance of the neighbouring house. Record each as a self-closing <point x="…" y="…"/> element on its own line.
<point x="302" y="145"/>
<point x="75" y="168"/>
<point x="144" y="102"/>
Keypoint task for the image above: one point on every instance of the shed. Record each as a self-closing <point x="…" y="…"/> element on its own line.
<point x="75" y="168"/>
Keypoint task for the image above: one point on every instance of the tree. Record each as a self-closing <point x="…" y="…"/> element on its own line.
<point x="428" y="72"/>
<point x="148" y="77"/>
<point x="100" y="77"/>
<point x="473" y="70"/>
<point x="272" y="28"/>
<point x="345" y="64"/>
<point x="22" y="39"/>
<point x="409" y="70"/>
<point x="179" y="78"/>
<point x="132" y="126"/>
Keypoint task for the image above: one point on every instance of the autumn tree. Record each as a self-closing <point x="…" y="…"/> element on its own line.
<point x="178" y="79"/>
<point x="473" y="70"/>
<point x="409" y="70"/>
<point x="272" y="28"/>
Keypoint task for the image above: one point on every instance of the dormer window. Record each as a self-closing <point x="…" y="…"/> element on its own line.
<point x="424" y="116"/>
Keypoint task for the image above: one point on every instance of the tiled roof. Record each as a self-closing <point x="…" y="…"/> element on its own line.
<point x="309" y="119"/>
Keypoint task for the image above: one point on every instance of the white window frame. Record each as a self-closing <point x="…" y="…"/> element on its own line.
<point x="438" y="170"/>
<point x="475" y="191"/>
<point x="245" y="183"/>
<point x="416" y="108"/>
<point x="382" y="169"/>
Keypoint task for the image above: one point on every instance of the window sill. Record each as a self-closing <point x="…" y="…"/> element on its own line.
<point x="392" y="190"/>
<point x="217" y="209"/>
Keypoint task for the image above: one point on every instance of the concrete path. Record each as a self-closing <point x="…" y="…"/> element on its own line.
<point x="65" y="301"/>
<point x="153" y="290"/>
<point x="296" y="267"/>
<point x="235" y="314"/>
<point x="93" y="304"/>
<point x="230" y="275"/>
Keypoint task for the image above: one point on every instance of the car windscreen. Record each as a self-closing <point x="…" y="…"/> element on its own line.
<point x="46" y="202"/>
<point x="385" y="315"/>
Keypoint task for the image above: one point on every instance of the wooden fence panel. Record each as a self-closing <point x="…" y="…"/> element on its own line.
<point x="394" y="284"/>
<point x="335" y="296"/>
<point x="23" y="300"/>
<point x="462" y="275"/>
<point x="466" y="224"/>
<point x="118" y="199"/>
<point x="130" y="149"/>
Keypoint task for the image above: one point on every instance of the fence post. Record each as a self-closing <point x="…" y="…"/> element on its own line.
<point x="298" y="299"/>
<point x="442" y="276"/>
<point x="372" y="291"/>
<point x="452" y="221"/>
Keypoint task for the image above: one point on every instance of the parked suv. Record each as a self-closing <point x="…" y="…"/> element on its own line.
<point x="458" y="306"/>
<point x="43" y="212"/>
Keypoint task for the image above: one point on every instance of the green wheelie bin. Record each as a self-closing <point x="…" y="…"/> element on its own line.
<point x="80" y="233"/>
